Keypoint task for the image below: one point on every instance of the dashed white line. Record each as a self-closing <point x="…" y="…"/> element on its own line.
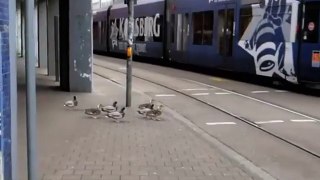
<point x="220" y="123"/>
<point x="165" y="95"/>
<point x="302" y="120"/>
<point x="269" y="122"/>
<point x="196" y="89"/>
<point x="280" y="91"/>
<point x="259" y="92"/>
<point x="200" y="94"/>
<point x="222" y="93"/>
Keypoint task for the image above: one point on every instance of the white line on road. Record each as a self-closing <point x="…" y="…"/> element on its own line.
<point x="269" y="122"/>
<point x="122" y="68"/>
<point x="254" y="99"/>
<point x="222" y="93"/>
<point x="196" y="89"/>
<point x="220" y="123"/>
<point x="200" y="94"/>
<point x="302" y="120"/>
<point x="280" y="91"/>
<point x="259" y="92"/>
<point x="165" y="95"/>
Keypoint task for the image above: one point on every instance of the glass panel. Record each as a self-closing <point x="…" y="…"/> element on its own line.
<point x="203" y="28"/>
<point x="311" y="23"/>
<point x="173" y="22"/>
<point x="179" y="32"/>
<point x="197" y="28"/>
<point x="185" y="31"/>
<point x="221" y="31"/>
<point x="229" y="32"/>
<point x="245" y="19"/>
<point x="207" y="28"/>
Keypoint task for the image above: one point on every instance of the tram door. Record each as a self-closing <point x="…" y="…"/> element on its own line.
<point x="226" y="26"/>
<point x="309" y="64"/>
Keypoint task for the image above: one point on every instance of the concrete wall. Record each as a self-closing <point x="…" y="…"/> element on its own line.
<point x="76" y="45"/>
<point x="80" y="41"/>
<point x="53" y="10"/>
<point x="43" y="56"/>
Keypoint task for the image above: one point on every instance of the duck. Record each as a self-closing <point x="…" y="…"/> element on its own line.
<point x="109" y="109"/>
<point x="93" y="112"/>
<point x="146" y="105"/>
<point x="145" y="110"/>
<point x="117" y="115"/>
<point x="155" y="113"/>
<point x="71" y="103"/>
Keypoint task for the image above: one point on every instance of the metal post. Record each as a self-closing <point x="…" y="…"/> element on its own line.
<point x="13" y="87"/>
<point x="56" y="47"/>
<point x="129" y="52"/>
<point x="31" y="91"/>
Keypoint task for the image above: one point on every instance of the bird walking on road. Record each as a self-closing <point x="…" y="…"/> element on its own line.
<point x="146" y="105"/>
<point x="71" y="103"/>
<point x="145" y="110"/>
<point x="155" y="113"/>
<point x="109" y="109"/>
<point x="93" y="112"/>
<point x="117" y="115"/>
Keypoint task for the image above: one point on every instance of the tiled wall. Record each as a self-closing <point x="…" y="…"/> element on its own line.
<point x="6" y="116"/>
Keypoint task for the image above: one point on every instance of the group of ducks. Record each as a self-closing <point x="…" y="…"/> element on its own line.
<point x="111" y="111"/>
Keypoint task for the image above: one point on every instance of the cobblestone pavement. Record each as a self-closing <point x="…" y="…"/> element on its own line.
<point x="140" y="149"/>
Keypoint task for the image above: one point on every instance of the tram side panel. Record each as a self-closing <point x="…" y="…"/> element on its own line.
<point x="148" y="29"/>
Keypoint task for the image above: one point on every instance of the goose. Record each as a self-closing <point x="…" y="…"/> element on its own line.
<point x="116" y="115"/>
<point x="155" y="113"/>
<point x="71" y="103"/>
<point x="145" y="110"/>
<point x="93" y="112"/>
<point x="109" y="109"/>
<point x="146" y="105"/>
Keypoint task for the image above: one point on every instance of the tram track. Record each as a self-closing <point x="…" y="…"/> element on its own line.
<point x="242" y="119"/>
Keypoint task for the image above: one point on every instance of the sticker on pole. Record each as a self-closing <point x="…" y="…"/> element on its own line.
<point x="129" y="52"/>
<point x="311" y="26"/>
<point x="316" y="59"/>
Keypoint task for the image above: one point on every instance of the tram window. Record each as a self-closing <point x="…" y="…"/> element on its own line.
<point x="173" y="22"/>
<point x="95" y="31"/>
<point x="245" y="19"/>
<point x="311" y="23"/>
<point x="202" y="28"/>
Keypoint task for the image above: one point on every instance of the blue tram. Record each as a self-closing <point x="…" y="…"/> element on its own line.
<point x="272" y="38"/>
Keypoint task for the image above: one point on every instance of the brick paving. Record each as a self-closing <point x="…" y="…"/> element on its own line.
<point x="139" y="149"/>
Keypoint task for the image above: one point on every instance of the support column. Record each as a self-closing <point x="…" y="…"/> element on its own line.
<point x="53" y="10"/>
<point x="42" y="26"/>
<point x="76" y="45"/>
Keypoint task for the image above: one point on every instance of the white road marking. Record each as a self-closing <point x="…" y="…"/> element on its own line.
<point x="302" y="120"/>
<point x="220" y="123"/>
<point x="222" y="93"/>
<point x="280" y="91"/>
<point x="269" y="122"/>
<point x="259" y="92"/>
<point x="165" y="95"/>
<point x="196" y="89"/>
<point x="254" y="99"/>
<point x="122" y="68"/>
<point x="200" y="94"/>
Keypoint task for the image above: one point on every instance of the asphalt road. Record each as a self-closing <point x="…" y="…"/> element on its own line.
<point x="289" y="115"/>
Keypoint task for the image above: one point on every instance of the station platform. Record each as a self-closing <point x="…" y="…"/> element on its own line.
<point x="72" y="146"/>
